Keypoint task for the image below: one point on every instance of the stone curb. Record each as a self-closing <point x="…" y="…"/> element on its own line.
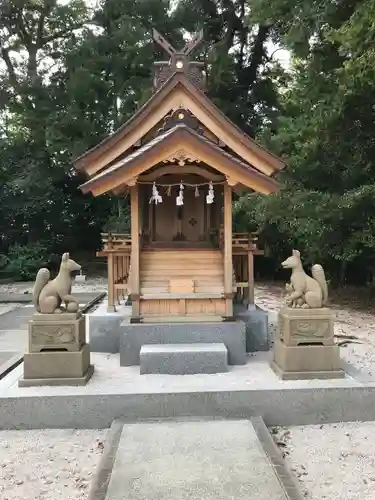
<point x="93" y="302"/>
<point x="282" y="471"/>
<point x="10" y="364"/>
<point x="100" y="481"/>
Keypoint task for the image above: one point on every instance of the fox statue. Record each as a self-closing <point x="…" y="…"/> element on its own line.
<point x="305" y="291"/>
<point x="49" y="295"/>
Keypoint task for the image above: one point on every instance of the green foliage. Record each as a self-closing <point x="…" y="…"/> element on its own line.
<point x="325" y="132"/>
<point x="22" y="262"/>
<point x="70" y="75"/>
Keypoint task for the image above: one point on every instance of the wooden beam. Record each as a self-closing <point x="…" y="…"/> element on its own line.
<point x="228" y="262"/>
<point x="134" y="270"/>
<point x="225" y="165"/>
<point x="181" y="170"/>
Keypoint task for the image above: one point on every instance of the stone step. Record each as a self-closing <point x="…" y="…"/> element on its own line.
<point x="183" y="359"/>
<point x="196" y="460"/>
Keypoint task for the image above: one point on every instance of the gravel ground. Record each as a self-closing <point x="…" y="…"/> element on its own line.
<point x="331" y="461"/>
<point x="48" y="464"/>
<point x="4" y="308"/>
<point x="97" y="284"/>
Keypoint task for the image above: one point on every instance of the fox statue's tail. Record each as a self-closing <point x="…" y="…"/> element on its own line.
<point x="317" y="272"/>
<point x="42" y="278"/>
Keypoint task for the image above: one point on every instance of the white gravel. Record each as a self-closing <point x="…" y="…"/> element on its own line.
<point x="96" y="284"/>
<point x="48" y="464"/>
<point x="4" y="308"/>
<point x="332" y="461"/>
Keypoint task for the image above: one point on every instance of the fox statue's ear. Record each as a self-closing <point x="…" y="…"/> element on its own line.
<point x="65" y="257"/>
<point x="296" y="253"/>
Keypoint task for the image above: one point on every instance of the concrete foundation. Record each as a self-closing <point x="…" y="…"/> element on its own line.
<point x="257" y="330"/>
<point x="184" y="359"/>
<point x="57" y="368"/>
<point x="306" y="362"/>
<point x="244" y="391"/>
<point x="104" y="328"/>
<point x="231" y="334"/>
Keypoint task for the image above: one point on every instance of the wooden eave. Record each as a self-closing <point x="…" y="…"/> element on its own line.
<point x="178" y="92"/>
<point x="126" y="171"/>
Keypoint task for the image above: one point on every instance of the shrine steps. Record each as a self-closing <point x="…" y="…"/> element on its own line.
<point x="203" y="267"/>
<point x="181" y="319"/>
<point x="183" y="359"/>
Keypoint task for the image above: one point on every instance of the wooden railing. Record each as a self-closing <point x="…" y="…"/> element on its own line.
<point x="242" y="243"/>
<point x="117" y="250"/>
<point x="116" y="241"/>
<point x="244" y="248"/>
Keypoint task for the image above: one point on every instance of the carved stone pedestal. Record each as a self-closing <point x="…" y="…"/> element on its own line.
<point x="58" y="354"/>
<point x="304" y="345"/>
<point x="56" y="331"/>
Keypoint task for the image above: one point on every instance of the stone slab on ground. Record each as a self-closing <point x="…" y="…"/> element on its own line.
<point x="214" y="460"/>
<point x="8" y="361"/>
<point x="183" y="359"/>
<point x="231" y="334"/>
<point x="244" y="391"/>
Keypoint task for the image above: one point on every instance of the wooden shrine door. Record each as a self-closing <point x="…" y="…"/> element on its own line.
<point x="193" y="216"/>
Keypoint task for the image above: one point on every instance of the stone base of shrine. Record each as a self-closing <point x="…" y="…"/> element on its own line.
<point x="105" y="329"/>
<point x="258" y="337"/>
<point x="134" y="336"/>
<point x="306" y="361"/>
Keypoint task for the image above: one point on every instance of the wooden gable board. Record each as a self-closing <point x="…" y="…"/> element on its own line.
<point x="164" y="146"/>
<point x="178" y="92"/>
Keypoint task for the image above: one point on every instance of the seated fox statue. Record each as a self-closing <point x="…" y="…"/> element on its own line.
<point x="49" y="295"/>
<point x="303" y="290"/>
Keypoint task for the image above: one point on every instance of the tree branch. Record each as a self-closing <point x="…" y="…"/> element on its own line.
<point x="8" y="62"/>
<point x="258" y="53"/>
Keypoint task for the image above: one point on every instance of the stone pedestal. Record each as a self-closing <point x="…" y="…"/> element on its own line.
<point x="57" y="331"/>
<point x="58" y="353"/>
<point x="304" y="345"/>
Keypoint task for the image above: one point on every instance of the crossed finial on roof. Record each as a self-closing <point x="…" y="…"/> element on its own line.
<point x="179" y="61"/>
<point x="189" y="46"/>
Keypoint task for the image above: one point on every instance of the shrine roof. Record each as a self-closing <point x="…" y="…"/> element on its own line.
<point x="164" y="146"/>
<point x="101" y="153"/>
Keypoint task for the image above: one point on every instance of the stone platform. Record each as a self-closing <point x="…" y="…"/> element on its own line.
<point x="184" y="359"/>
<point x="211" y="460"/>
<point x="105" y="328"/>
<point x="231" y="334"/>
<point x="244" y="391"/>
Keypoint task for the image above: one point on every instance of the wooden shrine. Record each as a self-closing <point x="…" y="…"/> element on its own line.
<point x="179" y="159"/>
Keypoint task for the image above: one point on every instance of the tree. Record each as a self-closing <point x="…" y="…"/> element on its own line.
<point x="325" y="132"/>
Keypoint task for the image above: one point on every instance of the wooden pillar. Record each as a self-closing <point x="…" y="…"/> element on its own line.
<point x="111" y="283"/>
<point x="228" y="261"/>
<point x="250" y="268"/>
<point x="134" y="259"/>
